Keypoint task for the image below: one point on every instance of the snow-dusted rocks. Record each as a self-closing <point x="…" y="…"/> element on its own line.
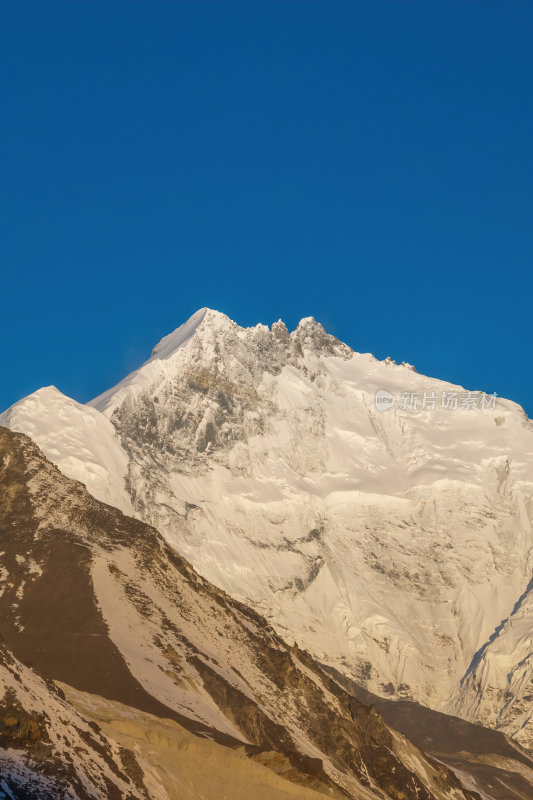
<point x="391" y="544"/>
<point x="49" y="751"/>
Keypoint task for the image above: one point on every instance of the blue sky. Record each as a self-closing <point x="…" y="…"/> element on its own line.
<point x="370" y="164"/>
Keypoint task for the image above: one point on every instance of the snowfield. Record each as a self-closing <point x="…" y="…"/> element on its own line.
<point x="394" y="545"/>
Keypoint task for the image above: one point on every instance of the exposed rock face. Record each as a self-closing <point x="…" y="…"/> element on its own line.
<point x="98" y="600"/>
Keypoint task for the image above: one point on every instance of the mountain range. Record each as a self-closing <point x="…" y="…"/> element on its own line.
<point x="242" y="547"/>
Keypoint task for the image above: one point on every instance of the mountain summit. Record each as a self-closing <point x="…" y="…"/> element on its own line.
<point x="378" y="518"/>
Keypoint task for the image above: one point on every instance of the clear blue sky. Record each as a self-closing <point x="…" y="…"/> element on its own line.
<point x="370" y="164"/>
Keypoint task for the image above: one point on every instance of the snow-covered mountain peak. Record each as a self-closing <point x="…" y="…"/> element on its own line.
<point x="207" y="324"/>
<point x="209" y="340"/>
<point x="45" y="393"/>
<point x="31" y="405"/>
<point x="307" y="322"/>
<point x="381" y="518"/>
<point x="311" y="335"/>
<point x="206" y="318"/>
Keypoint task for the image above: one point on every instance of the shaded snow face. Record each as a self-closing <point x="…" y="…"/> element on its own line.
<point x="390" y="544"/>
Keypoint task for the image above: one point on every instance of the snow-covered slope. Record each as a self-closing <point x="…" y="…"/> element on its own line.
<point x="391" y="544"/>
